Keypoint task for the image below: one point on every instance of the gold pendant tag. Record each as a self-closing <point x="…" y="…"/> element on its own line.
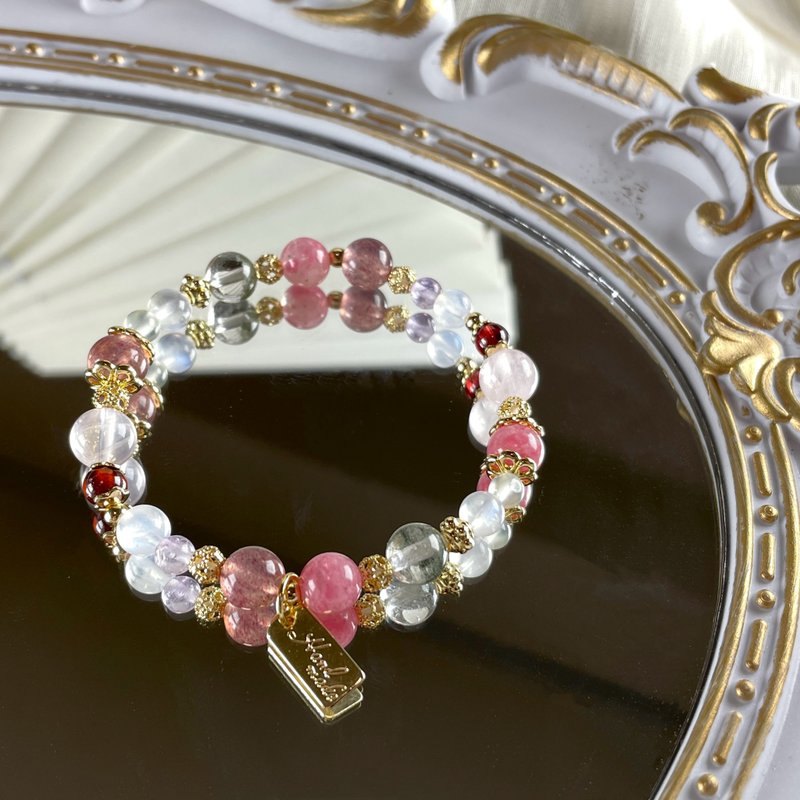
<point x="320" y="670"/>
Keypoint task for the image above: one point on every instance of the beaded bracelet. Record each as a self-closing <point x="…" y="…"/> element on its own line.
<point x="306" y="620"/>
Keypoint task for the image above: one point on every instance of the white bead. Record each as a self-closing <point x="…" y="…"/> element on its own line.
<point x="482" y="417"/>
<point x="172" y="309"/>
<point x="141" y="528"/>
<point x="103" y="435"/>
<point x="176" y="351"/>
<point x="497" y="541"/>
<point x="180" y="594"/>
<point x="508" y="373"/>
<point x="409" y="605"/>
<point x="451" y="309"/>
<point x="445" y="348"/>
<point x="137" y="480"/>
<point x="483" y="512"/>
<point x="475" y="562"/>
<point x="144" y="323"/>
<point x="508" y="489"/>
<point x="157" y="374"/>
<point x="144" y="576"/>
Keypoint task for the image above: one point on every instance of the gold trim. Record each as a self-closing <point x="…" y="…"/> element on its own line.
<point x="761" y="120"/>
<point x="726" y="740"/>
<point x="762" y="474"/>
<point x="767" y="566"/>
<point x="755" y="648"/>
<point x="718" y="88"/>
<point x="391" y="17"/>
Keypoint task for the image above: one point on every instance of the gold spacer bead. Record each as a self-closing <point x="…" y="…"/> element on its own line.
<point x="474" y="321"/>
<point x="337" y="254"/>
<point x="209" y="605"/>
<point x="509" y="461"/>
<point x="450" y="580"/>
<point x="514" y="408"/>
<point x="201" y="333"/>
<point x="269" y="310"/>
<point x="370" y="611"/>
<point x="400" y="279"/>
<point x="205" y="565"/>
<point x="464" y="368"/>
<point x="269" y="268"/>
<point x="197" y="289"/>
<point x="335" y="300"/>
<point x="514" y="514"/>
<point x="498" y="346"/>
<point x="376" y="573"/>
<point x="395" y="318"/>
<point x="144" y="430"/>
<point x="457" y="534"/>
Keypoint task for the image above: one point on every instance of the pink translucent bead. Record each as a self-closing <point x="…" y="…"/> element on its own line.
<point x="251" y="577"/>
<point x="341" y="626"/>
<point x="362" y="310"/>
<point x="483" y="486"/>
<point x="144" y="404"/>
<point x="305" y="261"/>
<point x="519" y="438"/>
<point x="121" y="350"/>
<point x="248" y="626"/>
<point x="329" y="584"/>
<point x="304" y="307"/>
<point x="366" y="263"/>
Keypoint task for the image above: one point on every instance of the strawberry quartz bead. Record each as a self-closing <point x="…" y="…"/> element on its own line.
<point x="362" y="310"/>
<point x="122" y="350"/>
<point x="520" y="439"/>
<point x="304" y="307"/>
<point x="101" y="480"/>
<point x="489" y="335"/>
<point x="248" y="626"/>
<point x="341" y="626"/>
<point x="329" y="584"/>
<point x="251" y="577"/>
<point x="305" y="262"/>
<point x="366" y="263"/>
<point x="144" y="404"/>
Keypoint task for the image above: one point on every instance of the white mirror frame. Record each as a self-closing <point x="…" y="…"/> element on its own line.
<point x="665" y="204"/>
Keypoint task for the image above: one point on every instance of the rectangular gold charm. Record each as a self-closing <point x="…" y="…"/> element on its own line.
<point x="319" y="669"/>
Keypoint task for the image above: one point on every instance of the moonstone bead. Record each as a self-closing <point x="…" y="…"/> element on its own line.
<point x="424" y="292"/>
<point x="143" y="322"/>
<point x="419" y="327"/>
<point x="143" y="576"/>
<point x="508" y="373"/>
<point x="483" y="512"/>
<point x="362" y="310"/>
<point x="499" y="540"/>
<point x="231" y="276"/>
<point x="141" y="528"/>
<point x="144" y="404"/>
<point x="507" y="489"/>
<point x="173" y="554"/>
<point x="451" y="309"/>
<point x="445" y="348"/>
<point x="305" y="261"/>
<point x="484" y="482"/>
<point x="329" y="584"/>
<point x="137" y="479"/>
<point x="341" y="626"/>
<point x="180" y="594"/>
<point x="408" y="605"/>
<point x="248" y="626"/>
<point x="417" y="553"/>
<point x="482" y="417"/>
<point x="475" y="562"/>
<point x="234" y="322"/>
<point x="158" y="374"/>
<point x="518" y="438"/>
<point x="304" y="307"/>
<point x="172" y="309"/>
<point x="176" y="351"/>
<point x="122" y="350"/>
<point x="103" y="435"/>
<point x="251" y="577"/>
<point x="366" y="263"/>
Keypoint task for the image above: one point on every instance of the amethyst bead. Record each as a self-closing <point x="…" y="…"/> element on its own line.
<point x="420" y="327"/>
<point x="424" y="292"/>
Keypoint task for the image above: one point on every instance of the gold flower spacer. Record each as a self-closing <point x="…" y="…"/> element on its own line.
<point x="269" y="310"/>
<point x="269" y="268"/>
<point x="336" y="256"/>
<point x="209" y="605"/>
<point x="515" y="514"/>
<point x="112" y="386"/>
<point x="119" y="330"/>
<point x="495" y="348"/>
<point x="113" y="500"/>
<point x="509" y="461"/>
<point x="457" y="534"/>
<point x="474" y="321"/>
<point x="370" y="611"/>
<point x="376" y="573"/>
<point x="395" y="318"/>
<point x="205" y="565"/>
<point x="400" y="279"/>
<point x="335" y="300"/>
<point x="515" y="410"/>
<point x="450" y="580"/>
<point x="201" y="333"/>
<point x="197" y="289"/>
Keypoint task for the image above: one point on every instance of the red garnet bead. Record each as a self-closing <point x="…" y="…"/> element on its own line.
<point x="472" y="384"/>
<point x="489" y="335"/>
<point x="102" y="523"/>
<point x="99" y="481"/>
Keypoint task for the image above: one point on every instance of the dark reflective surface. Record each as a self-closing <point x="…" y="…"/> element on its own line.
<point x="568" y="672"/>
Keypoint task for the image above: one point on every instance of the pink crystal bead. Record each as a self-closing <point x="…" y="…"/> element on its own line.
<point x="251" y="577"/>
<point x="520" y="438"/>
<point x="366" y="263"/>
<point x="329" y="584"/>
<point x="144" y="404"/>
<point x="341" y="626"/>
<point x="362" y="310"/>
<point x="305" y="262"/>
<point x="248" y="626"/>
<point x="122" y="350"/>
<point x="304" y="307"/>
<point x="483" y="486"/>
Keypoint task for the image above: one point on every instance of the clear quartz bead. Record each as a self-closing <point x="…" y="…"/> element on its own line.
<point x="483" y="512"/>
<point x="475" y="562"/>
<point x="103" y="435"/>
<point x="137" y="480"/>
<point x="173" y="554"/>
<point x="143" y="322"/>
<point x="180" y="594"/>
<point x="508" y="489"/>
<point x="176" y="351"/>
<point x="234" y="323"/>
<point x="231" y="276"/>
<point x="171" y="308"/>
<point x="409" y="605"/>
<point x="157" y="374"/>
<point x="416" y="552"/>
<point x="482" y="417"/>
<point x="144" y="576"/>
<point x="445" y="348"/>
<point x="498" y="540"/>
<point x="451" y="309"/>
<point x="141" y="528"/>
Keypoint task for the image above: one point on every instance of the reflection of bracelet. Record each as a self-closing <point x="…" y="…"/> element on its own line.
<point x="306" y="620"/>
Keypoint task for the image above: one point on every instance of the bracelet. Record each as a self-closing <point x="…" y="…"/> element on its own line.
<point x="306" y="620"/>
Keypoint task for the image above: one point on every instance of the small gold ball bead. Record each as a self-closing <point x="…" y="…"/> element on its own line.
<point x="335" y="300"/>
<point x="269" y="310"/>
<point x="395" y="318"/>
<point x="196" y="289"/>
<point x="450" y="580"/>
<point x="464" y="368"/>
<point x="201" y="333"/>
<point x="269" y="268"/>
<point x="400" y="279"/>
<point x="209" y="605"/>
<point x="370" y="611"/>
<point x="144" y="430"/>
<point x="474" y="321"/>
<point x="376" y="573"/>
<point x="457" y="534"/>
<point x="514" y="408"/>
<point x="205" y="565"/>
<point x="336" y="256"/>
